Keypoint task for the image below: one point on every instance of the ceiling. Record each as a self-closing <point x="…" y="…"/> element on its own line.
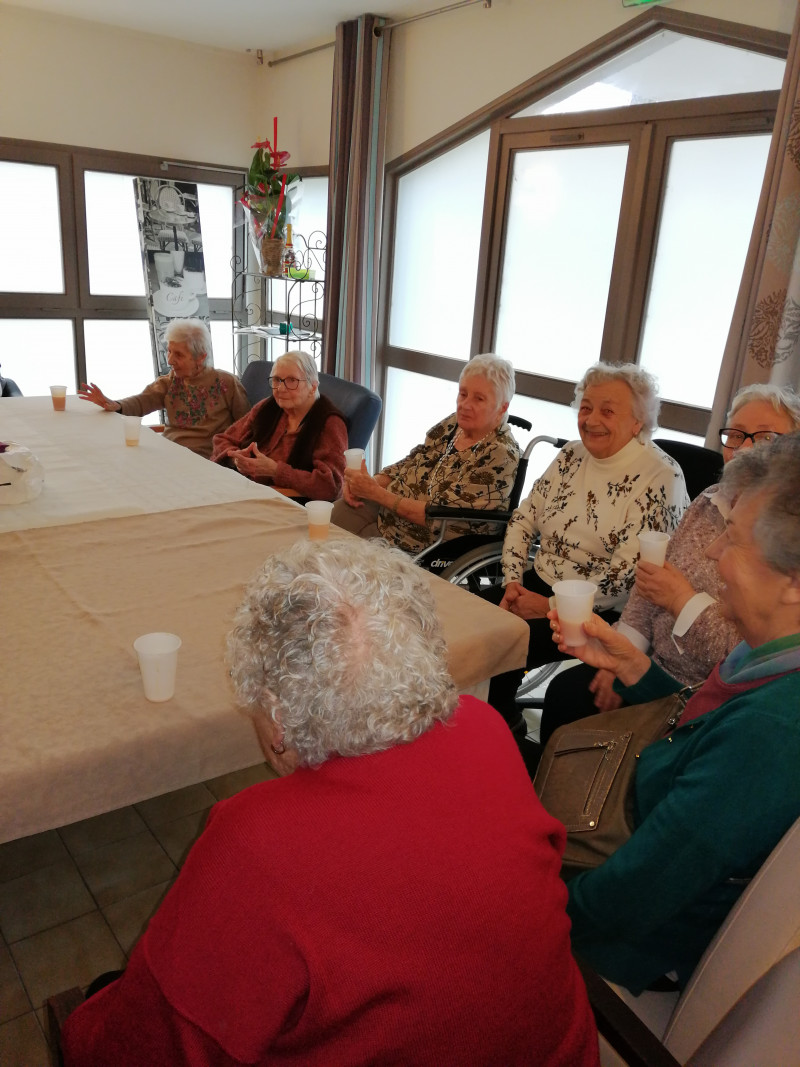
<point x="272" y="25"/>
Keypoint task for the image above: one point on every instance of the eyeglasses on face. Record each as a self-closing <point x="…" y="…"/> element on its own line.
<point x="289" y="383"/>
<point x="736" y="438"/>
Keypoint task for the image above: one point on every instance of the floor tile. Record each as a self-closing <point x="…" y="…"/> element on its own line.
<point x="45" y="898"/>
<point x="121" y="869"/>
<point x="101" y="830"/>
<point x="174" y="805"/>
<point x="66" y="956"/>
<point x="22" y="1043"/>
<point x="128" y="918"/>
<point x="178" y="836"/>
<point x="13" y="998"/>
<point x="29" y="854"/>
<point x="227" y="785"/>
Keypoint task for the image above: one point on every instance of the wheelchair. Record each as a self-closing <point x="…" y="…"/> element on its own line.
<point x="473" y="561"/>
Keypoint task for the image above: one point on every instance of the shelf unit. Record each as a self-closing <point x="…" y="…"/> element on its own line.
<point x="262" y="304"/>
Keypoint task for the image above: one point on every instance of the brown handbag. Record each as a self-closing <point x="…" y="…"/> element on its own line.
<point x="586" y="774"/>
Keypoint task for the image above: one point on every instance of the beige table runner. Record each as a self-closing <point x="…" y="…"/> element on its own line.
<point x="79" y="737"/>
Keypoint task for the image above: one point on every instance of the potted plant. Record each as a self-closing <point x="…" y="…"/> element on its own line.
<point x="266" y="202"/>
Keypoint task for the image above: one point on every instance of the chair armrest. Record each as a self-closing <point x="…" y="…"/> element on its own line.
<point x="439" y="511"/>
<point x="621" y="1026"/>
<point x="57" y="1009"/>
<point x="286" y="492"/>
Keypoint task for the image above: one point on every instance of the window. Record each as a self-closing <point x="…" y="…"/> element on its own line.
<point x="72" y="295"/>
<point x="614" y="225"/>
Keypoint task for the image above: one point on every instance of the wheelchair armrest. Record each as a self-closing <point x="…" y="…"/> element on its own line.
<point x="439" y="511"/>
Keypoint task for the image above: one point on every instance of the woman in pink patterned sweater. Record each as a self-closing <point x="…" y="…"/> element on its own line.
<point x="674" y="613"/>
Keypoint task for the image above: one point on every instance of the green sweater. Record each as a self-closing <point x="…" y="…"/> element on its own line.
<point x="712" y="801"/>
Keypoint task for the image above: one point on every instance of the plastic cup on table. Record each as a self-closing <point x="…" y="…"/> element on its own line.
<point x="653" y="547"/>
<point x="158" y="662"/>
<point x="319" y="519"/>
<point x="132" y="428"/>
<point x="58" y="394"/>
<point x="353" y="458"/>
<point x="574" y="603"/>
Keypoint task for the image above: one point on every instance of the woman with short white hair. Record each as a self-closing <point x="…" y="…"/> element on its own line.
<point x="587" y="510"/>
<point x="467" y="460"/>
<point x="293" y="440"/>
<point x="370" y="905"/>
<point x="199" y="401"/>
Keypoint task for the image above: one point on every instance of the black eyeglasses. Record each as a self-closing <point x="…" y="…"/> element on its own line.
<point x="289" y="383"/>
<point x="736" y="438"/>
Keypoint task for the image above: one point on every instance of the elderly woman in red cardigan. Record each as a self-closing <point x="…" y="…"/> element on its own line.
<point x="363" y="907"/>
<point x="293" y="440"/>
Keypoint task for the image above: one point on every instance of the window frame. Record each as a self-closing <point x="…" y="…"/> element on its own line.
<point x="640" y="238"/>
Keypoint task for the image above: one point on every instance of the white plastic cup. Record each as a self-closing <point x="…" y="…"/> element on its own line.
<point x="653" y="547"/>
<point x="319" y="519"/>
<point x="58" y="394"/>
<point x="574" y="603"/>
<point x="353" y="458"/>
<point x="132" y="428"/>
<point x="158" y="662"/>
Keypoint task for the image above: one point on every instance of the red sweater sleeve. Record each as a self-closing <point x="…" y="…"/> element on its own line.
<point x="237" y="436"/>
<point x="324" y="481"/>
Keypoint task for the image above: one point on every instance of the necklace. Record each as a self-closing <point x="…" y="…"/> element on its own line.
<point x="451" y="444"/>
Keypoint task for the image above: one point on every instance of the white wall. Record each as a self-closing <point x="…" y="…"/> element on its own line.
<point x="73" y="82"/>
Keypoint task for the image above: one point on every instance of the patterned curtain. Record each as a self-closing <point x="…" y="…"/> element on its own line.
<point x="355" y="199"/>
<point x="764" y="340"/>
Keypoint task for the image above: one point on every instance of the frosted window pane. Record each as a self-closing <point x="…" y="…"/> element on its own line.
<point x="711" y="196"/>
<point x="437" y="240"/>
<point x="222" y="344"/>
<point x="667" y="66"/>
<point x="119" y="357"/>
<point x="310" y="222"/>
<point x="216" y="226"/>
<point x="559" y="251"/>
<point x="112" y="232"/>
<point x="30" y="230"/>
<point x="38" y="353"/>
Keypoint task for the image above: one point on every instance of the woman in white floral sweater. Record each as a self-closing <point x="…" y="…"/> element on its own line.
<point x="587" y="509"/>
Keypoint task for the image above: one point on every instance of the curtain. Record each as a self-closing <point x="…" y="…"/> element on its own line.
<point x="355" y="199"/>
<point x="764" y="340"/>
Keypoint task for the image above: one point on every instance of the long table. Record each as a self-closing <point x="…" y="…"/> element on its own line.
<point x="165" y="541"/>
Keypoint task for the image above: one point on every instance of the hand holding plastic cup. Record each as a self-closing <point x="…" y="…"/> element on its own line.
<point x="574" y="603"/>
<point x="319" y="519"/>
<point x="158" y="662"/>
<point x="653" y="547"/>
<point x="131" y="426"/>
<point x="353" y="458"/>
<point x="58" y="394"/>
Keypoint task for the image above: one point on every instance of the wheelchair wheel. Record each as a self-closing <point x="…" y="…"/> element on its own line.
<point x="477" y="570"/>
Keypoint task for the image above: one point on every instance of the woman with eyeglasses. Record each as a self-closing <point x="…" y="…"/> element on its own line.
<point x="674" y="613"/>
<point x="293" y="440"/>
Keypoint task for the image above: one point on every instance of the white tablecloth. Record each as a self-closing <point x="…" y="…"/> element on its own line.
<point x="79" y="738"/>
<point x="91" y="474"/>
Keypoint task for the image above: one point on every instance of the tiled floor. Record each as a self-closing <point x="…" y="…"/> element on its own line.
<point x="74" y="901"/>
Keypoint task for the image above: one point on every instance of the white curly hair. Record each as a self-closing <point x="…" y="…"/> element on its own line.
<point x="342" y="641"/>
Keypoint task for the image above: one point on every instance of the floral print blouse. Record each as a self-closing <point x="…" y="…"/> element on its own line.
<point x="478" y="477"/>
<point x="587" y="513"/>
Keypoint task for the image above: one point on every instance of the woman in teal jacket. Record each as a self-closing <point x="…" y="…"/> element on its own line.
<point x="715" y="797"/>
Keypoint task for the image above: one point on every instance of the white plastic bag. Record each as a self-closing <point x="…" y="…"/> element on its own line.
<point x="21" y="475"/>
